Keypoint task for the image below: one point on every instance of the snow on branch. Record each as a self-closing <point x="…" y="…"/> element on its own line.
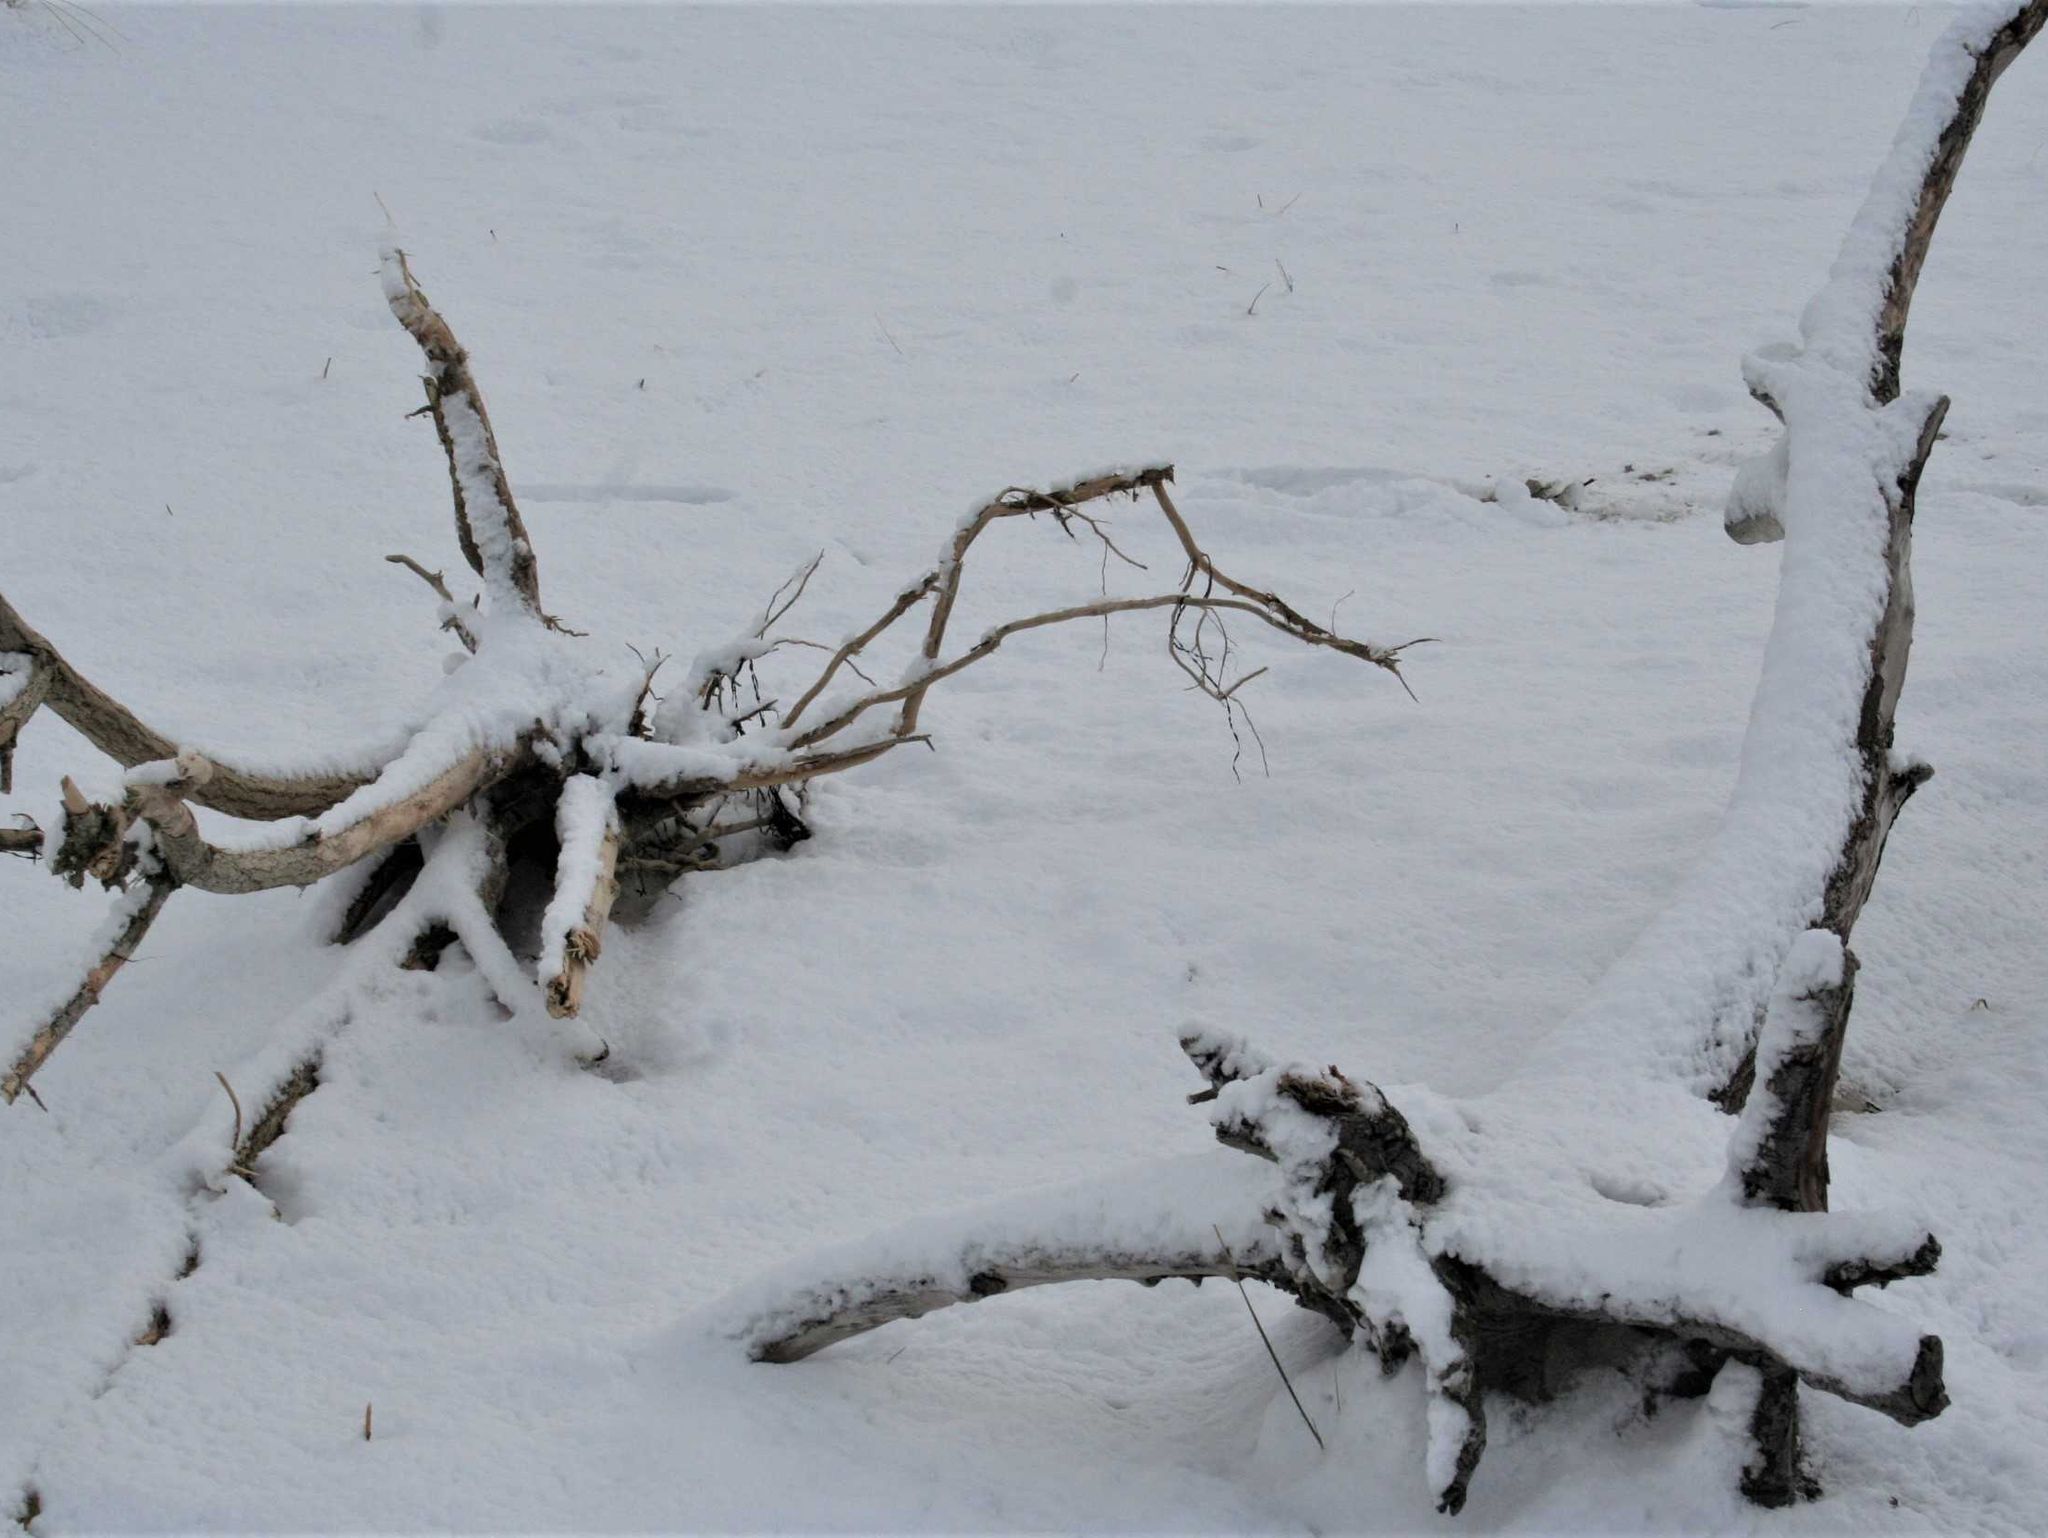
<point x="586" y="884"/>
<point x="1186" y="1218"/>
<point x="1820" y="784"/>
<point x="1857" y="323"/>
<point x="395" y="808"/>
<point x="22" y="687"/>
<point x="1778" y="1154"/>
<point x="487" y="521"/>
<point x="1402" y="1246"/>
<point x="134" y="911"/>
<point x="117" y="732"/>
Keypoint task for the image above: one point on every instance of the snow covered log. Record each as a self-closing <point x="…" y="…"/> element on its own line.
<point x="1182" y="1218"/>
<point x="1838" y="395"/>
<point x="1363" y="1227"/>
<point x="1605" y="1198"/>
<point x="546" y="750"/>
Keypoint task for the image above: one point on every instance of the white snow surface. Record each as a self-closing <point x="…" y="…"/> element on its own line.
<point x="743" y="284"/>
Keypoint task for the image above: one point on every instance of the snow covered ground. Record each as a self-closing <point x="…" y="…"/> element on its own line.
<point x="746" y="284"/>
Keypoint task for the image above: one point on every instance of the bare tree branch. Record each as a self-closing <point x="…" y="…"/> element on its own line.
<point x="117" y="732"/>
<point x="133" y="914"/>
<point x="453" y="619"/>
<point x="487" y="521"/>
<point x="192" y="861"/>
<point x="1903" y="275"/>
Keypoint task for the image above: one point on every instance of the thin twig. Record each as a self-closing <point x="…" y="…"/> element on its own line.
<point x="236" y="1101"/>
<point x="1265" y="1340"/>
<point x="438" y="583"/>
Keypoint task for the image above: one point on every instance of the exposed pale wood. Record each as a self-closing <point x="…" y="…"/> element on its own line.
<point x="1269" y="606"/>
<point x="1013" y="503"/>
<point x="915" y="690"/>
<point x="453" y="621"/>
<point x="905" y="602"/>
<point x="450" y="382"/>
<point x="197" y="863"/>
<point x="763" y="776"/>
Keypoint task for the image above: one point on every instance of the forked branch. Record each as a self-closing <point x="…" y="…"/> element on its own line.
<point x="1203" y="589"/>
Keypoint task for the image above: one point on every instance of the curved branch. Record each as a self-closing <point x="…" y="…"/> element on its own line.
<point x="1989" y="58"/>
<point x="916" y="688"/>
<point x="1857" y="323"/>
<point x="869" y="1303"/>
<point x="1015" y="502"/>
<point x="192" y="861"/>
<point x="451" y="615"/>
<point x="117" y="732"/>
<point x="1189" y="1218"/>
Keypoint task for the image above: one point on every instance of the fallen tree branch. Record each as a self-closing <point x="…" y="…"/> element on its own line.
<point x="194" y="862"/>
<point x="451" y="615"/>
<point x="528" y="735"/>
<point x="487" y="522"/>
<point x="117" y="732"/>
<point x="122" y="932"/>
<point x="1361" y="1225"/>
<point x="1186" y="1219"/>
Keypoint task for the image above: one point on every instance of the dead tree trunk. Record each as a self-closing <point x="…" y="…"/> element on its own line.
<point x="1479" y="1237"/>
